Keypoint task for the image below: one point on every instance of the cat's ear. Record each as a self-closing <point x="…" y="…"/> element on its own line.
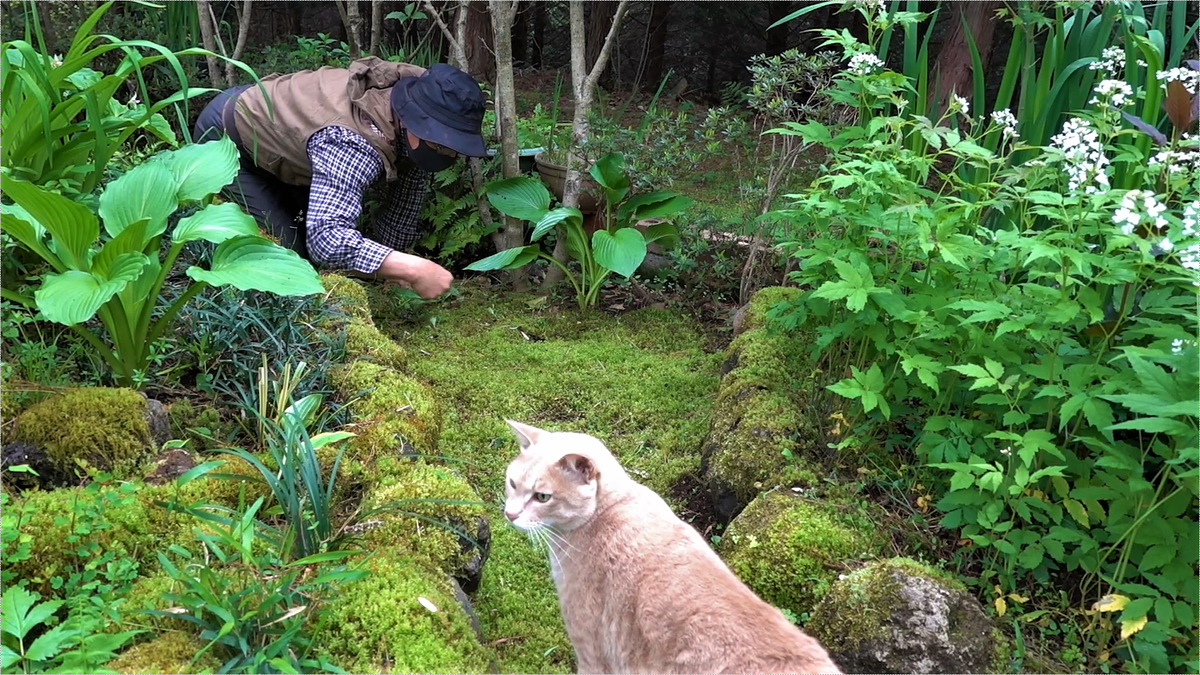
<point x="579" y="468"/>
<point x="526" y="435"/>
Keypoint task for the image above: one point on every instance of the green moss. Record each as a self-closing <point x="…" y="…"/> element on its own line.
<point x="103" y="427"/>
<point x="398" y="414"/>
<point x="364" y="340"/>
<point x="167" y="653"/>
<point x="378" y="624"/>
<point x="348" y="294"/>
<point x="424" y="489"/>
<point x="790" y="550"/>
<point x="762" y="302"/>
<point x="517" y="601"/>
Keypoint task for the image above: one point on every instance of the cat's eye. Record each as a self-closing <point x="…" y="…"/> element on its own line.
<point x="542" y="497"/>
<point x="511" y="484"/>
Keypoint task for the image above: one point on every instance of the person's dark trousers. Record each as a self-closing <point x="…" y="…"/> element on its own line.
<point x="273" y="203"/>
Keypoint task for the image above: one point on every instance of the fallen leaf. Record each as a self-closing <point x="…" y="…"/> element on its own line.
<point x="427" y="604"/>
<point x="1001" y="606"/>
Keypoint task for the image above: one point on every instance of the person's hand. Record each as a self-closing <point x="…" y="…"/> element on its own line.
<point x="426" y="277"/>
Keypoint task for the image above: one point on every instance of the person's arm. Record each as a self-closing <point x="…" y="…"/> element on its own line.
<point x="343" y="165"/>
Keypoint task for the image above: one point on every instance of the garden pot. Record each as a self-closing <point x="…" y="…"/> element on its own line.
<point x="525" y="157"/>
<point x="555" y="177"/>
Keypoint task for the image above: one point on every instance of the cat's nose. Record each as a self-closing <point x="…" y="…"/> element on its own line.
<point x="511" y="515"/>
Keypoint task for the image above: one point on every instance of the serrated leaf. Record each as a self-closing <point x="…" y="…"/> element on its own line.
<point x="254" y="263"/>
<point x="74" y="297"/>
<point x="1131" y="626"/>
<point x="202" y="169"/>
<point x="1156" y="556"/>
<point x="1155" y="425"/>
<point x="521" y="197"/>
<point x="145" y="191"/>
<point x="510" y="258"/>
<point x="971" y="370"/>
<point x="8" y="657"/>
<point x="568" y="214"/>
<point x="1031" y="557"/>
<point x="622" y="251"/>
<point x="49" y="643"/>
<point x="1077" y="511"/>
<point x="215" y="223"/>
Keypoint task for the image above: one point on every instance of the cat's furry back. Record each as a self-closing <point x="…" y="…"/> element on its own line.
<point x="640" y="590"/>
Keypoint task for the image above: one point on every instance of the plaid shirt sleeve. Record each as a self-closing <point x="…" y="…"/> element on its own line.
<point x="344" y="165"/>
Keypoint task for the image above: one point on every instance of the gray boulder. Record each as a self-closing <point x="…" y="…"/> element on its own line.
<point x="899" y="616"/>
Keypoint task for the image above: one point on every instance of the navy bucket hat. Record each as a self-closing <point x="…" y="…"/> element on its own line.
<point x="444" y="106"/>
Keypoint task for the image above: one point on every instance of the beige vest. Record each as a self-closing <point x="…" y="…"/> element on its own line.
<point x="301" y="104"/>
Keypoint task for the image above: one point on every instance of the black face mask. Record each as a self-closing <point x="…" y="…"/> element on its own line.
<point x="428" y="159"/>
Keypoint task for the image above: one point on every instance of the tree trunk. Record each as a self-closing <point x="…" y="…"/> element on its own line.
<point x="208" y="39"/>
<point x="658" y="40"/>
<point x="584" y="86"/>
<point x="539" y="33"/>
<point x="240" y="47"/>
<point x="49" y="35"/>
<point x="502" y="13"/>
<point x="295" y="17"/>
<point x="520" y="33"/>
<point x="953" y="67"/>
<point x="599" y="17"/>
<point x="480" y="40"/>
<point x="376" y="26"/>
<point x="352" y="24"/>
<point x="777" y="37"/>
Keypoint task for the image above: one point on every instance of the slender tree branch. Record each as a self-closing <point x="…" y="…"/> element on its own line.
<point x="376" y="26"/>
<point x="240" y="47"/>
<point x="203" y="12"/>
<point x="457" y="52"/>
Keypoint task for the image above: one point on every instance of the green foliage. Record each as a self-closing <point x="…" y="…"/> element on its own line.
<point x="307" y="54"/>
<point x="453" y="213"/>
<point x="1036" y="333"/>
<point x="61" y="119"/>
<point x="619" y="247"/>
<point x="120" y="280"/>
<point x="253" y="604"/>
<point x="73" y="646"/>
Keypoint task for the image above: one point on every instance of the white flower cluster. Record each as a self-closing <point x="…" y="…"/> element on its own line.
<point x="1189" y="77"/>
<point x="1177" y="161"/>
<point x="1007" y="122"/>
<point x="1189" y="257"/>
<point x="1113" y="92"/>
<point x="960" y="104"/>
<point x="1177" y="345"/>
<point x="873" y="6"/>
<point x="1111" y="61"/>
<point x="1139" y="205"/>
<point x="1085" y="160"/>
<point x="864" y="63"/>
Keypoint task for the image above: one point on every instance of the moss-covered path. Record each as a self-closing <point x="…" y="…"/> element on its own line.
<point x="642" y="382"/>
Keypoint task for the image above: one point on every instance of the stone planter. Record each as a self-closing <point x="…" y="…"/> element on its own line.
<point x="525" y="157"/>
<point x="555" y="177"/>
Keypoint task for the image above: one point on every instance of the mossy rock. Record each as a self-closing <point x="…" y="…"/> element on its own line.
<point x="108" y="429"/>
<point x="430" y="500"/>
<point x="759" y="419"/>
<point x="790" y="549"/>
<point x="754" y="314"/>
<point x="167" y="653"/>
<point x="379" y="624"/>
<point x="349" y="295"/>
<point x="185" y="416"/>
<point x="398" y="415"/>
<point x="130" y="526"/>
<point x="364" y="341"/>
<point x="900" y="616"/>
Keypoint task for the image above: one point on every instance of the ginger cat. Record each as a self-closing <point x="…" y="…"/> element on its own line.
<point x="640" y="590"/>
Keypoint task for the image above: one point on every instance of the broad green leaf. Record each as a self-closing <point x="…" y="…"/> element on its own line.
<point x="321" y="440"/>
<point x="22" y="226"/>
<point x="74" y="296"/>
<point x="971" y="370"/>
<point x="521" y="197"/>
<point x="252" y="263"/>
<point x="131" y="240"/>
<point x="666" y="233"/>
<point x="1156" y="556"/>
<point x="215" y="223"/>
<point x="202" y="170"/>
<point x="572" y="215"/>
<point x="72" y="226"/>
<point x="145" y="191"/>
<point x="653" y="205"/>
<point x="622" y="252"/>
<point x="510" y="258"/>
<point x="1155" y="425"/>
<point x="609" y="172"/>
<point x="848" y="388"/>
<point x="1031" y="556"/>
<point x="20" y="611"/>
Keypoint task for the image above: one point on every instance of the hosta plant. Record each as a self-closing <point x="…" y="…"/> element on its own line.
<point x="618" y="246"/>
<point x="117" y="274"/>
